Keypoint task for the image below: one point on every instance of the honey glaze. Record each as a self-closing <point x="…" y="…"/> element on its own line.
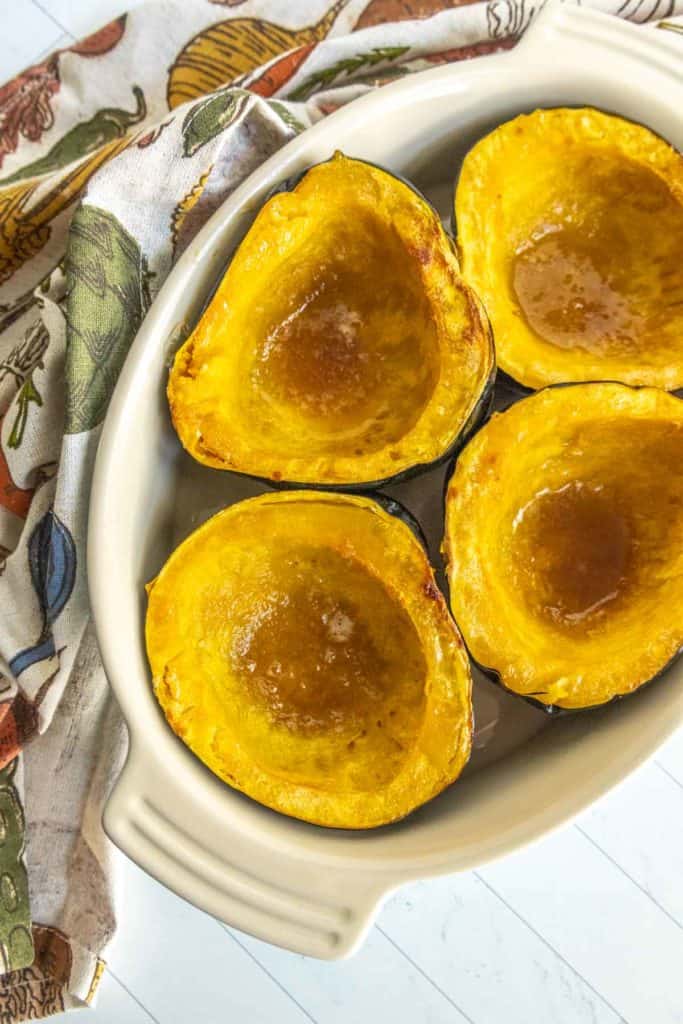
<point x="319" y="357"/>
<point x="327" y="647"/>
<point x="603" y="269"/>
<point x="357" y="350"/>
<point x="573" y="550"/>
<point x="570" y="295"/>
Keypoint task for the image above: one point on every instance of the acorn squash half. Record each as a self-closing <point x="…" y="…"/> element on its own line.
<point x="342" y="347"/>
<point x="564" y="542"/>
<point x="570" y="228"/>
<point x="301" y="648"/>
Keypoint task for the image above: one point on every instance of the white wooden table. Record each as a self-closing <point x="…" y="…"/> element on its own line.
<point x="586" y="927"/>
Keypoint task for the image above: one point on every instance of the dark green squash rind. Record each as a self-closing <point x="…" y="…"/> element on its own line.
<point x="554" y="710"/>
<point x="400" y="512"/>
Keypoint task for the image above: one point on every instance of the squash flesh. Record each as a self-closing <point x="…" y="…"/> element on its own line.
<point x="564" y="536"/>
<point x="304" y="669"/>
<point x="328" y="358"/>
<point x="570" y="225"/>
<point x="341" y="346"/>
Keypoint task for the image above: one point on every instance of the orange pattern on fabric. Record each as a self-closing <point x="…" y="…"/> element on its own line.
<point x="471" y="50"/>
<point x="13" y="498"/>
<point x="18" y="724"/>
<point x="9" y="735"/>
<point x="275" y="76"/>
<point x="25" y="110"/>
<point x="380" y="11"/>
<point x="101" y="41"/>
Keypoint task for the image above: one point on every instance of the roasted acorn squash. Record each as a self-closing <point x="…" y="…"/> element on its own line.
<point x="342" y="346"/>
<point x="564" y="542"/>
<point x="300" y="647"/>
<point x="570" y="228"/>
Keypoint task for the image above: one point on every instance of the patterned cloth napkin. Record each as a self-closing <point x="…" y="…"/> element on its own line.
<point x="113" y="153"/>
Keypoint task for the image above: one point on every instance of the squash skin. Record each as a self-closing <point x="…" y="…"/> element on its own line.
<point x="555" y="711"/>
<point x="440" y="740"/>
<point x="559" y="680"/>
<point x="432" y="439"/>
<point x="515" y="220"/>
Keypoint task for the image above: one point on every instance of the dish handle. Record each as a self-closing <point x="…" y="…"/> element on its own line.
<point x="321" y="908"/>
<point x="569" y="34"/>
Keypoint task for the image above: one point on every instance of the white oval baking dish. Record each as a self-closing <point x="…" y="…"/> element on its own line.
<point x="309" y="889"/>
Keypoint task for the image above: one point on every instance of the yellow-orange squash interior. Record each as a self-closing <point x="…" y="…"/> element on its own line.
<point x="570" y="229"/>
<point x="300" y="647"/>
<point x="564" y="542"/>
<point x="342" y="346"/>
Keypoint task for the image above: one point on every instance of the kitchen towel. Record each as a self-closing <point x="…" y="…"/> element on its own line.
<point x="113" y="153"/>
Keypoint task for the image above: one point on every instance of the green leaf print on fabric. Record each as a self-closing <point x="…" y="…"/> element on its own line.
<point x="286" y="115"/>
<point x="107" y="283"/>
<point x="27" y="394"/>
<point x="16" y="942"/>
<point x="210" y="117"/>
<point x="327" y="76"/>
<point x="105" y="126"/>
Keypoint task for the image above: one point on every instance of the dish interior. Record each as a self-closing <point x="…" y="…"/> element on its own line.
<point x="517" y="747"/>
